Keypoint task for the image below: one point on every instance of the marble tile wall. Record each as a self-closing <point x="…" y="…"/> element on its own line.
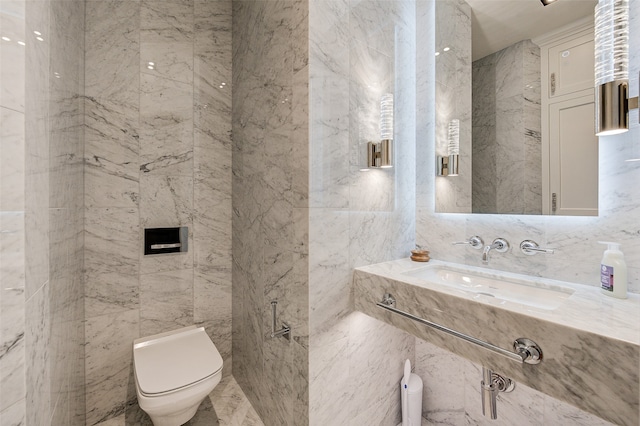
<point x="12" y="214"/>
<point x="157" y="154"/>
<point x="362" y="49"/>
<point x="453" y="97"/>
<point x="41" y="364"/>
<point x="506" y="131"/>
<point x="270" y="205"/>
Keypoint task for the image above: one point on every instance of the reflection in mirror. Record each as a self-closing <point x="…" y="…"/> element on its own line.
<point x="519" y="78"/>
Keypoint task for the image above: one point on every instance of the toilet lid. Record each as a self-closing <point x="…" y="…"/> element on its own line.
<point x="174" y="360"/>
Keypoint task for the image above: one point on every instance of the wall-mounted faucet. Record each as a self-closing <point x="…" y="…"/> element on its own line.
<point x="499" y="244"/>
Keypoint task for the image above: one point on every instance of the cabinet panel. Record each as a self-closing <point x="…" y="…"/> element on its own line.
<point x="571" y="66"/>
<point x="573" y="157"/>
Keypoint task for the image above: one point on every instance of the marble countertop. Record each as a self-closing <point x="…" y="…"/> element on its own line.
<point x="586" y="309"/>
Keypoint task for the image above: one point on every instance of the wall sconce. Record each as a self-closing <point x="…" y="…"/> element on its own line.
<point x="380" y="154"/>
<point x="448" y="166"/>
<point x="612" y="67"/>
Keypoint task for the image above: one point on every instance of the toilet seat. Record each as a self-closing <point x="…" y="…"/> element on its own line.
<point x="167" y="362"/>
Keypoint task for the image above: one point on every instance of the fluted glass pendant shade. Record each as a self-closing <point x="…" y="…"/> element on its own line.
<point x="612" y="66"/>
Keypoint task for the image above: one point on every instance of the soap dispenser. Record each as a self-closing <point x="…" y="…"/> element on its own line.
<point x="613" y="272"/>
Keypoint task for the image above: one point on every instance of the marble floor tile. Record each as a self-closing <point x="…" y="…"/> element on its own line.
<point x="227" y="405"/>
<point x="232" y="406"/>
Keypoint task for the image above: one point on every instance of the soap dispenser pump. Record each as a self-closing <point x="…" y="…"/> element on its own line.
<point x="613" y="272"/>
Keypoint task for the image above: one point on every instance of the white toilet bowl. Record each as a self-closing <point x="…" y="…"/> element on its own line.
<point x="174" y="372"/>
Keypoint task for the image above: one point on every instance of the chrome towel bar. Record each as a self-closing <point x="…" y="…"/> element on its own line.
<point x="526" y="350"/>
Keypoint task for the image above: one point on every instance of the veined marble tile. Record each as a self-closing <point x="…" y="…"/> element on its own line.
<point x="300" y="138"/>
<point x="36" y="153"/>
<point x="278" y="379"/>
<point x="212" y="306"/>
<point x="166" y="21"/>
<point x="232" y="406"/>
<point x="560" y="413"/>
<point x="108" y="360"/>
<point x="328" y="38"/>
<point x="37" y="351"/>
<point x="328" y="180"/>
<point x="211" y="227"/>
<point x="329" y="269"/>
<point x="172" y="60"/>
<point x="12" y="312"/>
<point x="166" y="127"/>
<point x="111" y="259"/>
<point x="112" y="50"/>
<point x="329" y="387"/>
<point x="15" y="414"/>
<point x="166" y="301"/>
<point x="442" y="379"/>
<point x="377" y="379"/>
<point x="111" y="153"/>
<point x="12" y="56"/>
<point x="12" y="157"/>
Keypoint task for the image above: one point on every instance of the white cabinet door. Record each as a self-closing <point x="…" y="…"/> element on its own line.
<point x="571" y="66"/>
<point x="573" y="162"/>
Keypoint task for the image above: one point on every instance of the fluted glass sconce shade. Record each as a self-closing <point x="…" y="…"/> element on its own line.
<point x="453" y="139"/>
<point x="380" y="154"/>
<point x="612" y="67"/>
<point x="611" y="41"/>
<point x="386" y="116"/>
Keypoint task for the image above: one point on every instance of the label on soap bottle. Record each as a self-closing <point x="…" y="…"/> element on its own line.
<point x="606" y="277"/>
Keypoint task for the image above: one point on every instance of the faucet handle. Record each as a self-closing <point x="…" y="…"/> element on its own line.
<point x="501" y="245"/>
<point x="475" y="242"/>
<point x="530" y="247"/>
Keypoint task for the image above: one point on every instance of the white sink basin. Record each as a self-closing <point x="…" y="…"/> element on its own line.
<point x="489" y="285"/>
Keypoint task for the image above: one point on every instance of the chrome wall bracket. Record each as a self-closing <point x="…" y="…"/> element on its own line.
<point x="529" y="350"/>
<point x="285" y="331"/>
<point x="380" y="154"/>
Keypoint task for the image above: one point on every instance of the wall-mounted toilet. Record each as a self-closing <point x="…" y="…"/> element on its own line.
<point x="174" y="372"/>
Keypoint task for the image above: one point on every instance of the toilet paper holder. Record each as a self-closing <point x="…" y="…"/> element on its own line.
<point x="285" y="331"/>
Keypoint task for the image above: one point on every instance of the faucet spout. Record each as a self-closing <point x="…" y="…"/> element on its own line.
<point x="499" y="244"/>
<point x="485" y="253"/>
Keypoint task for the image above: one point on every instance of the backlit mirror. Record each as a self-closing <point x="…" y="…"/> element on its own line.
<point x="515" y="97"/>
